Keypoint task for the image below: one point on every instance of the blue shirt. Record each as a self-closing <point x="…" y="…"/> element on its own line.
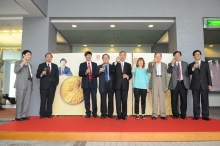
<point x="140" y="78"/>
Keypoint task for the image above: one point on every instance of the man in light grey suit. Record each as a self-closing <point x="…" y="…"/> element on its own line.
<point x="23" y="85"/>
<point x="158" y="85"/>
<point x="179" y="84"/>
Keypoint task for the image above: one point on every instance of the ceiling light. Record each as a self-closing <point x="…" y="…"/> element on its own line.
<point x="112" y="45"/>
<point x="139" y="45"/>
<point x="20" y="30"/>
<point x="74" y="25"/>
<point x="5" y="31"/>
<point x="210" y="45"/>
<point x="151" y="25"/>
<point x="14" y="31"/>
<point x="112" y="25"/>
<point x="85" y="45"/>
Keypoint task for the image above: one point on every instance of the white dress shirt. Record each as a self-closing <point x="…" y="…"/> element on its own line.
<point x="50" y="65"/>
<point x="158" y="68"/>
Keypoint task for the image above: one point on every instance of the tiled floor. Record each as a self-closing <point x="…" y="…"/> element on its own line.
<point x="80" y="143"/>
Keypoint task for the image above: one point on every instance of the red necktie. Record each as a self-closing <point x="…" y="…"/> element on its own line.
<point x="48" y="68"/>
<point x="179" y="73"/>
<point x="90" y="74"/>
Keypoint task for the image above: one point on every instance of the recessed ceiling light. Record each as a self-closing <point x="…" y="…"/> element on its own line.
<point x="112" y="45"/>
<point x="20" y="30"/>
<point x="5" y="31"/>
<point x="112" y="25"/>
<point x="151" y="25"/>
<point x="210" y="45"/>
<point x="139" y="45"/>
<point x="85" y="45"/>
<point x="74" y="25"/>
<point x="14" y="30"/>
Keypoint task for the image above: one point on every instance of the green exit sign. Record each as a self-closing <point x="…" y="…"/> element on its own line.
<point x="212" y="22"/>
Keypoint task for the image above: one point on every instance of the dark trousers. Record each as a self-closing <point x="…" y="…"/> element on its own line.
<point x="87" y="92"/>
<point x="47" y="97"/>
<point x="107" y="91"/>
<point x="204" y="101"/>
<point x="121" y="103"/>
<point x="182" y="91"/>
<point x="137" y="94"/>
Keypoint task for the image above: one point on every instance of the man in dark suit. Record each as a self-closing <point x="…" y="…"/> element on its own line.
<point x="201" y="83"/>
<point x="105" y="86"/>
<point x="49" y="79"/>
<point x="122" y="75"/>
<point x="87" y="71"/>
<point x="63" y="69"/>
<point x="179" y="84"/>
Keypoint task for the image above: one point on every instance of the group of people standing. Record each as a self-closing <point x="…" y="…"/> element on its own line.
<point x="114" y="78"/>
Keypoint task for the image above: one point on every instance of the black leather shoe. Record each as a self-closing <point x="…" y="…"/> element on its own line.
<point x="95" y="116"/>
<point x="164" y="118"/>
<point x="112" y="117"/>
<point x="195" y="118"/>
<point x="25" y="118"/>
<point x="118" y="118"/>
<point x="41" y="117"/>
<point x="184" y="118"/>
<point x="154" y="118"/>
<point x="175" y="117"/>
<point x="102" y="117"/>
<point x="50" y="116"/>
<point x="207" y="119"/>
<point x="124" y="118"/>
<point x="87" y="116"/>
<point x="18" y="119"/>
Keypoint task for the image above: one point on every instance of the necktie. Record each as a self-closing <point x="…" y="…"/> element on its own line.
<point x="106" y="73"/>
<point x="48" y="68"/>
<point x="90" y="74"/>
<point x="29" y="72"/>
<point x="122" y="66"/>
<point x="179" y="73"/>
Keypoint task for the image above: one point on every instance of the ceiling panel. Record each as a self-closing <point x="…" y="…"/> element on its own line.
<point x="112" y="36"/>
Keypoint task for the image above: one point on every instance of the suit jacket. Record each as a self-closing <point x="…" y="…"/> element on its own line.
<point x="102" y="78"/>
<point x="21" y="75"/>
<point x="201" y="77"/>
<point x="46" y="80"/>
<point x="152" y="69"/>
<point x="173" y="70"/>
<point x="85" y="78"/>
<point x="118" y="81"/>
<point x="67" y="71"/>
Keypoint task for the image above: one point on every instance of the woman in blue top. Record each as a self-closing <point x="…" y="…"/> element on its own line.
<point x="140" y="86"/>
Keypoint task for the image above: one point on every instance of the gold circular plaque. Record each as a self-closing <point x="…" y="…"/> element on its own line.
<point x="71" y="90"/>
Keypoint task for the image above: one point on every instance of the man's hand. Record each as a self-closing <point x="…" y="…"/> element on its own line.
<point x="154" y="61"/>
<point x="88" y="70"/>
<point x="173" y="61"/>
<point x="101" y="69"/>
<point x="44" y="72"/>
<point x="125" y="76"/>
<point x="118" y="59"/>
<point x="195" y="65"/>
<point x="210" y="88"/>
<point x="23" y="62"/>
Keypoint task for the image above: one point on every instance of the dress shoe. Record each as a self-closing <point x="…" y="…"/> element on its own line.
<point x="164" y="118"/>
<point x="118" y="118"/>
<point x="50" y="116"/>
<point x="184" y="118"/>
<point x="41" y="117"/>
<point x="25" y="118"/>
<point x="112" y="117"/>
<point x="154" y="118"/>
<point x="87" y="116"/>
<point x="18" y="119"/>
<point x="95" y="116"/>
<point x="102" y="117"/>
<point x="175" y="117"/>
<point x="195" y="118"/>
<point x="124" y="118"/>
<point x="207" y="119"/>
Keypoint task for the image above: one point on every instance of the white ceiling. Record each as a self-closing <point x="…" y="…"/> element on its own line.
<point x="105" y="24"/>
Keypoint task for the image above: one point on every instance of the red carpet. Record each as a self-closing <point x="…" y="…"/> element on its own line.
<point x="81" y="124"/>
